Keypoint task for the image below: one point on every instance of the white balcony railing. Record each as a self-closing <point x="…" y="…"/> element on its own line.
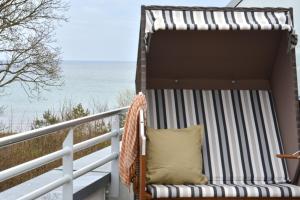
<point x="66" y="153"/>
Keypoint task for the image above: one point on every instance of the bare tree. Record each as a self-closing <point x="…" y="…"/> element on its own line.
<point x="125" y="97"/>
<point x="27" y="52"/>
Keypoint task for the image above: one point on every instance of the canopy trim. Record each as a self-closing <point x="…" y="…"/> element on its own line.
<point x="212" y="18"/>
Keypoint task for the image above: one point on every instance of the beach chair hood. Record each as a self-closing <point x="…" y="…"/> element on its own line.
<point x="209" y="20"/>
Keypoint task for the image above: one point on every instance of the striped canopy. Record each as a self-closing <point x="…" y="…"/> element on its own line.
<point x="174" y="18"/>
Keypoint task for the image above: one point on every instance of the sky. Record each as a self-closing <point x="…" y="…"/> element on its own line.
<point x="107" y="30"/>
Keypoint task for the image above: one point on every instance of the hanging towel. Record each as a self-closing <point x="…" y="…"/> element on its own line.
<point x="129" y="149"/>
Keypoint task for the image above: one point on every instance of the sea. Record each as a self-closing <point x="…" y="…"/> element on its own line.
<point x="91" y="83"/>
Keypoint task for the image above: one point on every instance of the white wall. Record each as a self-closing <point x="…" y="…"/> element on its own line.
<point x="295" y="4"/>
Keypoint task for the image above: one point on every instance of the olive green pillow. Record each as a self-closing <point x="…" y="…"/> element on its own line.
<point x="174" y="156"/>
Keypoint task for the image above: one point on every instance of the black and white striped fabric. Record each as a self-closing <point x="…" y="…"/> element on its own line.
<point x="241" y="139"/>
<point x="167" y="19"/>
<point x="237" y="189"/>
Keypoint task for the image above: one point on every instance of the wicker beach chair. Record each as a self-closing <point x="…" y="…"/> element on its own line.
<point x="232" y="70"/>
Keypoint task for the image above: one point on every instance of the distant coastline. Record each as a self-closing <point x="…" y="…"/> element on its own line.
<point x="97" y="61"/>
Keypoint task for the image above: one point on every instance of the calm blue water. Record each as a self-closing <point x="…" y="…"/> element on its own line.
<point x="88" y="83"/>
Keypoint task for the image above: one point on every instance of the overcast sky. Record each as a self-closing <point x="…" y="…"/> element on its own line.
<point x="108" y="29"/>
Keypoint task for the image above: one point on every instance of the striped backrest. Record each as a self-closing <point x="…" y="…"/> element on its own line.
<point x="241" y="131"/>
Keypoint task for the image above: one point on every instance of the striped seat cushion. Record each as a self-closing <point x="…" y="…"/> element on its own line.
<point x="241" y="132"/>
<point x="224" y="190"/>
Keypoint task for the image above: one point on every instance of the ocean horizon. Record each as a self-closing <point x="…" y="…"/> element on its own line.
<point x="91" y="83"/>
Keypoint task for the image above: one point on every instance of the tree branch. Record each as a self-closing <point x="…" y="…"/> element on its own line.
<point x="26" y="43"/>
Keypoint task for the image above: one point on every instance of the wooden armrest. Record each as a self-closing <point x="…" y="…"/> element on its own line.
<point x="143" y="195"/>
<point x="295" y="155"/>
<point x="142" y="134"/>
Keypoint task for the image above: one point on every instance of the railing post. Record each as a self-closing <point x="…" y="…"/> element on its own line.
<point x="115" y="148"/>
<point x="68" y="167"/>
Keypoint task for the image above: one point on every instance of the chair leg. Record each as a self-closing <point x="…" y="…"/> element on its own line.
<point x="297" y="175"/>
<point x="142" y="179"/>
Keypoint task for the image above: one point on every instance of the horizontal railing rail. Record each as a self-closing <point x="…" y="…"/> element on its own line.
<point x="66" y="153"/>
<point x="33" y="164"/>
<point x="96" y="140"/>
<point x="12" y="139"/>
<point x="47" y="188"/>
<point x="95" y="165"/>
